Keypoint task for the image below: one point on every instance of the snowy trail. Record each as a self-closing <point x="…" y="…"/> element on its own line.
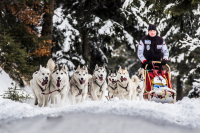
<point x="184" y="113"/>
<point x="92" y="123"/>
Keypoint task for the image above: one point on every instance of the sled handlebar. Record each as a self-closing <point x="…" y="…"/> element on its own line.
<point x="159" y="62"/>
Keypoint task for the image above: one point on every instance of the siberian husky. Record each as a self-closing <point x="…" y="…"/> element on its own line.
<point x="98" y="84"/>
<point x="112" y="84"/>
<point x="141" y="84"/>
<point x="79" y="85"/>
<point x="40" y="84"/>
<point x="59" y="86"/>
<point x="126" y="86"/>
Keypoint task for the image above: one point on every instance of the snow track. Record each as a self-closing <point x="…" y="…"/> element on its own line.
<point x="183" y="113"/>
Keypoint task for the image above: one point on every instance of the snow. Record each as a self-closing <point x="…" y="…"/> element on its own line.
<point x="58" y="17"/>
<point x="5" y="81"/>
<point x="185" y="112"/>
<point x="126" y="3"/>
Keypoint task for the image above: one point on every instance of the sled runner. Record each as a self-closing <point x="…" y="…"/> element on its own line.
<point x="158" y="84"/>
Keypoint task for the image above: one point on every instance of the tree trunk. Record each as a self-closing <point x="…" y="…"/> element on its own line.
<point x="47" y="27"/>
<point x="85" y="45"/>
<point x="179" y="88"/>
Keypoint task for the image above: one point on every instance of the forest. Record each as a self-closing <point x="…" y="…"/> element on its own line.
<point x="90" y="32"/>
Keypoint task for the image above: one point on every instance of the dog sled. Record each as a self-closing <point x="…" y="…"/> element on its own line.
<point x="158" y="85"/>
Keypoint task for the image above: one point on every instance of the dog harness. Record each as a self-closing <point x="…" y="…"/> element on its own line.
<point x="80" y="90"/>
<point x="99" y="85"/>
<point x="113" y="88"/>
<point x="41" y="88"/>
<point x="124" y="87"/>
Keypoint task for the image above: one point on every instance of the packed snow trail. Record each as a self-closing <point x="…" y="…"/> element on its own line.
<point x="92" y="123"/>
<point x="185" y="112"/>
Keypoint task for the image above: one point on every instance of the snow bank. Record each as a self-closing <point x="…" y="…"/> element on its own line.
<point x="5" y="81"/>
<point x="185" y="112"/>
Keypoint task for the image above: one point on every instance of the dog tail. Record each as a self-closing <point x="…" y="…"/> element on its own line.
<point x="51" y="65"/>
<point x="135" y="79"/>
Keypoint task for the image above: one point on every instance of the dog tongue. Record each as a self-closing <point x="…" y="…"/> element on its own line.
<point x="58" y="83"/>
<point x="101" y="78"/>
<point x="83" y="81"/>
<point x="123" y="79"/>
<point x="44" y="82"/>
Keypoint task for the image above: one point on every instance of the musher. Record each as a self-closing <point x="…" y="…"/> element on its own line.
<point x="151" y="48"/>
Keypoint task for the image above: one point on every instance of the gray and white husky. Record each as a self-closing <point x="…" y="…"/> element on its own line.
<point x="98" y="84"/>
<point x="40" y="84"/>
<point x="112" y="84"/>
<point x="126" y="86"/>
<point x="141" y="84"/>
<point x="59" y="86"/>
<point x="79" y="85"/>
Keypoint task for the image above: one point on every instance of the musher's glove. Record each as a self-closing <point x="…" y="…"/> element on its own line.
<point x="163" y="62"/>
<point x="148" y="62"/>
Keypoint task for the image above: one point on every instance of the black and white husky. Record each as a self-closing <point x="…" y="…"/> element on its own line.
<point x="112" y="84"/>
<point x="59" y="86"/>
<point x="98" y="84"/>
<point x="79" y="85"/>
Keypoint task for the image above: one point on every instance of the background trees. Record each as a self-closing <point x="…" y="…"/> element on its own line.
<point x="90" y="32"/>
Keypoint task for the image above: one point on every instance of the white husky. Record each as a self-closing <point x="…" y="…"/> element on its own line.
<point x="79" y="85"/>
<point x="141" y="84"/>
<point x="59" y="86"/>
<point x="40" y="84"/>
<point x="126" y="86"/>
<point x="98" y="84"/>
<point x="112" y="84"/>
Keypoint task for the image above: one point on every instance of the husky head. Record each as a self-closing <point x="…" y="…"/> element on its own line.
<point x="112" y="76"/>
<point x="81" y="75"/>
<point x="122" y="74"/>
<point x="43" y="76"/>
<point x="100" y="73"/>
<point x="60" y="74"/>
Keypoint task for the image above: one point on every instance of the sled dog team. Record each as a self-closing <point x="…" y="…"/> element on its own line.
<point x="52" y="83"/>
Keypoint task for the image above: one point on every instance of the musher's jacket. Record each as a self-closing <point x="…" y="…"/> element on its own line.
<point x="150" y="49"/>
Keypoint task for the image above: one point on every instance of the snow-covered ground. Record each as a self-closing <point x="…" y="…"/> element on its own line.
<point x="95" y="116"/>
<point x="182" y="116"/>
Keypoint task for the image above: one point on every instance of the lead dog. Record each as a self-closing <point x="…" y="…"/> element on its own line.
<point x="40" y="84"/>
<point x="112" y="84"/>
<point x="126" y="85"/>
<point x="141" y="84"/>
<point x="98" y="84"/>
<point x="79" y="85"/>
<point x="59" y="86"/>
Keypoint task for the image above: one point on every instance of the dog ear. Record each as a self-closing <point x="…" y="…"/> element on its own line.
<point x="40" y="67"/>
<point x="78" y="67"/>
<point x="56" y="67"/>
<point x="119" y="68"/>
<point x="96" y="67"/>
<point x="85" y="68"/>
<point x="115" y="71"/>
<point x="64" y="67"/>
<point x="125" y="68"/>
